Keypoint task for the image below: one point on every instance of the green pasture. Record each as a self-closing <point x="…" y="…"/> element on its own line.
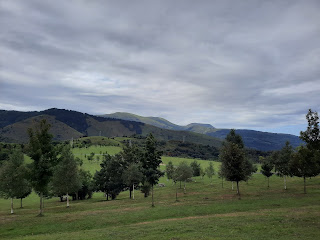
<point x="206" y="211"/>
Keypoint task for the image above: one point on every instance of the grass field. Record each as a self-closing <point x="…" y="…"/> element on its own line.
<point x="206" y="211"/>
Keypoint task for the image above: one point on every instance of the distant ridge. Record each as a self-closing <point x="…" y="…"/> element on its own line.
<point x="67" y="124"/>
<point x="264" y="141"/>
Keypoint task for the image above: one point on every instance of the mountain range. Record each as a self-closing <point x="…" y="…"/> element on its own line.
<point x="263" y="141"/>
<point x="67" y="124"/>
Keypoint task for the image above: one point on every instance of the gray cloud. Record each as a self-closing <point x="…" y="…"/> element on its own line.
<point x="242" y="64"/>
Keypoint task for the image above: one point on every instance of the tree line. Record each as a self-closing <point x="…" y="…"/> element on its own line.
<point x="54" y="171"/>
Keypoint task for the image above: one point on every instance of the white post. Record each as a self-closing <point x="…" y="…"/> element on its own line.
<point x="285" y="182"/>
<point x="11" y="205"/>
<point x="133" y="192"/>
<point x="232" y="185"/>
<point x="68" y="200"/>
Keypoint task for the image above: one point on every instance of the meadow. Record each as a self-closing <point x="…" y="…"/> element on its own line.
<point x="206" y="211"/>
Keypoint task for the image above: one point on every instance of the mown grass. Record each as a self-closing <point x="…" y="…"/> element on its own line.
<point x="206" y="211"/>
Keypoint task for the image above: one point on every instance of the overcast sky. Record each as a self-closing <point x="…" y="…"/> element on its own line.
<point x="233" y="64"/>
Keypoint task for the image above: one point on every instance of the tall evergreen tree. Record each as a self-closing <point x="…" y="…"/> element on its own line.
<point x="43" y="154"/>
<point x="66" y="178"/>
<point x="13" y="178"/>
<point x="150" y="163"/>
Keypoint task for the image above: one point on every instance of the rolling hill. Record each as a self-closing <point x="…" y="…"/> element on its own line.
<point x="263" y="141"/>
<point x="68" y="124"/>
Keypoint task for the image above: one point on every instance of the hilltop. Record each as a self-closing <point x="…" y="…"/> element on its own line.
<point x="263" y="141"/>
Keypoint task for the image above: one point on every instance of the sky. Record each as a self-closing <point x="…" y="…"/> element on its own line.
<point x="234" y="64"/>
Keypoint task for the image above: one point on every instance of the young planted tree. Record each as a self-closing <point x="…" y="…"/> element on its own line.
<point x="281" y="162"/>
<point x="132" y="156"/>
<point x="132" y="176"/>
<point x="170" y="170"/>
<point x="210" y="171"/>
<point x="234" y="165"/>
<point x="305" y="163"/>
<point x="202" y="172"/>
<point x="196" y="168"/>
<point x="65" y="179"/>
<point x="43" y="154"/>
<point x="183" y="173"/>
<point x="150" y="163"/>
<point x="267" y="167"/>
<point x="13" y="178"/>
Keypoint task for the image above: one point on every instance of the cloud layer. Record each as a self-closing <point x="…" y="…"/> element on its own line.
<point x="242" y="64"/>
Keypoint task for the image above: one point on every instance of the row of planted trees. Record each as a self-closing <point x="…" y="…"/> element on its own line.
<point x="54" y="171"/>
<point x="302" y="162"/>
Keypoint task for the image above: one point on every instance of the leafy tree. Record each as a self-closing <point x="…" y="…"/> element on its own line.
<point x="110" y="177"/>
<point x="305" y="163"/>
<point x="312" y="135"/>
<point x="202" y="173"/>
<point x="232" y="137"/>
<point x="87" y="185"/>
<point x="210" y="171"/>
<point x="150" y="163"/>
<point x="234" y="165"/>
<point x="281" y="162"/>
<point x="13" y="178"/>
<point x="66" y="178"/>
<point x="196" y="168"/>
<point x="170" y="170"/>
<point x="267" y="167"/>
<point x="183" y="173"/>
<point x="132" y="176"/>
<point x="132" y="156"/>
<point x="43" y="154"/>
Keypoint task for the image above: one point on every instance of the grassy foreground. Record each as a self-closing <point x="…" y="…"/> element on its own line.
<point x="206" y="211"/>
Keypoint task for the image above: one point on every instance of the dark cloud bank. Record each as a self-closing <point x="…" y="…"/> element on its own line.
<point x="241" y="64"/>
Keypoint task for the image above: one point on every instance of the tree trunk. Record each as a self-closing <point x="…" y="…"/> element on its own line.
<point x="41" y="205"/>
<point x="130" y="192"/>
<point x="232" y="185"/>
<point x="133" y="191"/>
<point x="68" y="200"/>
<point x="176" y="192"/>
<point x="238" y="191"/>
<point x="304" y="185"/>
<point x="11" y="205"/>
<point x="268" y="183"/>
<point x="21" y="203"/>
<point x="285" y="182"/>
<point x="152" y="196"/>
<point x="184" y="188"/>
